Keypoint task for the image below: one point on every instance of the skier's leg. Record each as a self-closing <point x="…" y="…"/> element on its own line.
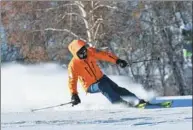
<point x="121" y="91"/>
<point x="94" y="88"/>
<point x="104" y="87"/>
<point x="108" y="92"/>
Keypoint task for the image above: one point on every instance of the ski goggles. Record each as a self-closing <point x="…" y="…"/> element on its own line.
<point x="82" y="53"/>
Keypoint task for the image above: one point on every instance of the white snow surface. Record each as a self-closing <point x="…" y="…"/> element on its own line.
<point x="25" y="87"/>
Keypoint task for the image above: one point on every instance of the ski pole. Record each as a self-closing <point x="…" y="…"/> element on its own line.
<point x="145" y="60"/>
<point x="33" y="110"/>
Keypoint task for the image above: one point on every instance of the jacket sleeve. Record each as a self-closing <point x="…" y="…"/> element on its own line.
<point x="104" y="55"/>
<point x="72" y="80"/>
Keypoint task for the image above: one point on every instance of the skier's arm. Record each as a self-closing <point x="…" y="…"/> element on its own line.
<point x="104" y="55"/>
<point x="72" y="80"/>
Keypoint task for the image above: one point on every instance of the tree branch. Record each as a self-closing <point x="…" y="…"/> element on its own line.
<point x="54" y="8"/>
<point x="60" y="30"/>
<point x="97" y="3"/>
<point x="101" y="6"/>
<point x="81" y="7"/>
<point x="95" y="23"/>
<point x="79" y="3"/>
<point x="96" y="31"/>
<point x="83" y="18"/>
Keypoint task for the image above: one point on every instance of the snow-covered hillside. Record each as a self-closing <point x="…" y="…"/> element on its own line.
<point x="27" y="87"/>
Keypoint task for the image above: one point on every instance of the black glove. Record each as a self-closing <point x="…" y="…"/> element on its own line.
<point x="121" y="63"/>
<point x="75" y="99"/>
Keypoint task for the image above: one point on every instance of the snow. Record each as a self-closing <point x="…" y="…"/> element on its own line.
<point x="34" y="86"/>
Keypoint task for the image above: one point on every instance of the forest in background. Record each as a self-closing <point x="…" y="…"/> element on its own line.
<point x="40" y="31"/>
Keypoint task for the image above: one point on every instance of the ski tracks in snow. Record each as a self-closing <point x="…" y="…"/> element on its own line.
<point x="124" y="118"/>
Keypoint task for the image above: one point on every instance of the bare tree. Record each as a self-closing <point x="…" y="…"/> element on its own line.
<point x="134" y="30"/>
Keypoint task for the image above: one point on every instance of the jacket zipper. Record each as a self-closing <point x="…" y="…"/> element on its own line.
<point x="91" y="70"/>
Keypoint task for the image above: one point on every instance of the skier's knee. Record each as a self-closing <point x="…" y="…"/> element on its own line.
<point x="102" y="87"/>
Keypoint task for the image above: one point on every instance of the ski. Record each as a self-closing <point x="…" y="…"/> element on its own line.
<point x="165" y="104"/>
<point x="141" y="105"/>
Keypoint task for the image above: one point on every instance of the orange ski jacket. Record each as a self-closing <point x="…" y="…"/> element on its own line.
<point x="86" y="70"/>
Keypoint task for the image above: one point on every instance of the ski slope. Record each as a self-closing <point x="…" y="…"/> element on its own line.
<point x="36" y="86"/>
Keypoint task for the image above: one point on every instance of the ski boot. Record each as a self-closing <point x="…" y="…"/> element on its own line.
<point x="142" y="103"/>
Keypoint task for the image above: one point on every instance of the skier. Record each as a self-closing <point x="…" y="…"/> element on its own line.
<point x="83" y="67"/>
